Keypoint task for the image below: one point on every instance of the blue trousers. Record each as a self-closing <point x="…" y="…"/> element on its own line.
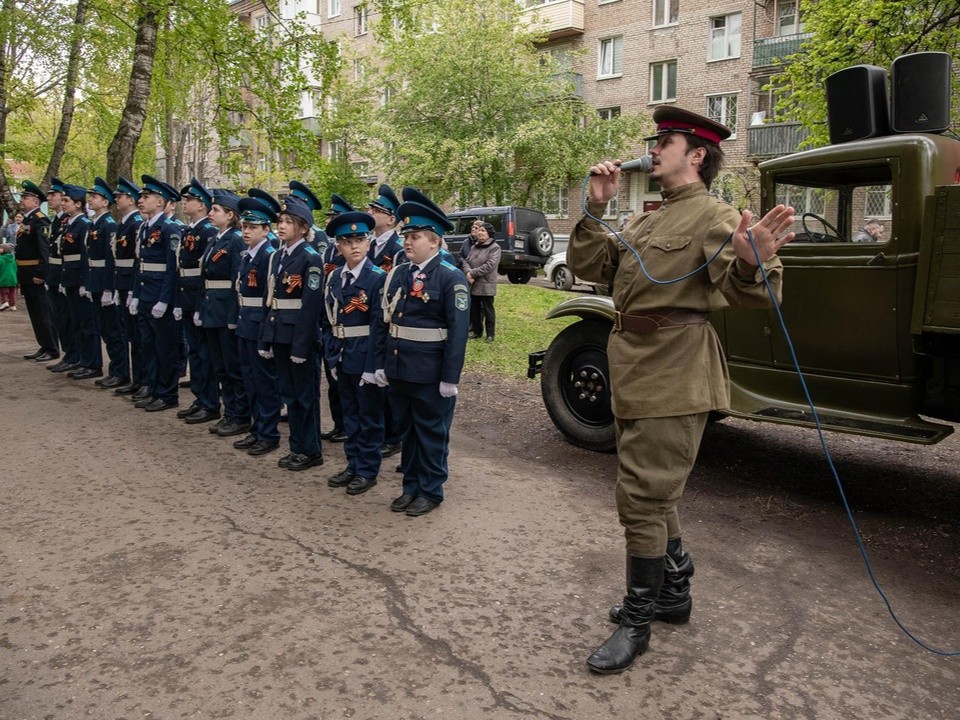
<point x="299" y="392"/>
<point x="423" y="418"/>
<point x="226" y="364"/>
<point x="203" y="380"/>
<point x="113" y="331"/>
<point x="363" y="410"/>
<point x="131" y="327"/>
<point x="159" y="349"/>
<point x="333" y="395"/>
<point x="66" y="332"/>
<point x="84" y="318"/>
<point x="263" y="395"/>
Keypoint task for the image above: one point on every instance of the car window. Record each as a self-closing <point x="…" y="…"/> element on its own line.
<point x="495" y="220"/>
<point x="463" y="224"/>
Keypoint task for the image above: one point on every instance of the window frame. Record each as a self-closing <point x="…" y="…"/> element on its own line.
<point x="666" y="78"/>
<point x="725" y="114"/>
<point x="726" y="37"/>
<point x="361" y="20"/>
<point x="331" y="4"/>
<point x="666" y="6"/>
<point x="614" y="73"/>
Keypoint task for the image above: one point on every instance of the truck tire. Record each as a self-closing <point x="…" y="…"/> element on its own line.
<point x="575" y="385"/>
<point x="541" y="242"/>
<point x="519" y="277"/>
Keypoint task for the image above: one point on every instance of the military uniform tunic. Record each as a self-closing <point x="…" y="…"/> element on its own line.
<point x="74" y="275"/>
<point x="101" y="283"/>
<point x="203" y="379"/>
<point x="125" y="260"/>
<point x="33" y="251"/>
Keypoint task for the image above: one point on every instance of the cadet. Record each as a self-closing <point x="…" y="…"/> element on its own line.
<point x="74" y="276"/>
<point x="259" y="373"/>
<point x="33" y="249"/>
<point x="352" y="308"/>
<point x="411" y="194"/>
<point x="196" y="237"/>
<point x="291" y="331"/>
<point x="126" y="195"/>
<point x="101" y="283"/>
<point x="218" y="311"/>
<point x="318" y="240"/>
<point x="271" y="202"/>
<point x="153" y="294"/>
<point x="59" y="314"/>
<point x="426" y="303"/>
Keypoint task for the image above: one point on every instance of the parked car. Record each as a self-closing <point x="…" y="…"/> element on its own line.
<point x="523" y="235"/>
<point x="558" y="272"/>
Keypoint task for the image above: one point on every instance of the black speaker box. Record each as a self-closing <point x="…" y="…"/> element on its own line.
<point x="857" y="105"/>
<point x="921" y="92"/>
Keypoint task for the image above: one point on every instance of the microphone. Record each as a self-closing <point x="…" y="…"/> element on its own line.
<point x="642" y="164"/>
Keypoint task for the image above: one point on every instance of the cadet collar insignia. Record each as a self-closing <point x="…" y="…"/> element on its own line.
<point x="292" y="282"/>
<point x="357" y="302"/>
<point x="252" y="278"/>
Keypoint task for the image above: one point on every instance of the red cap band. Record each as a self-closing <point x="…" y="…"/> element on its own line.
<point x="698" y="130"/>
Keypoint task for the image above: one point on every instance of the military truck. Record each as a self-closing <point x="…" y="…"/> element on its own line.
<point x="875" y="324"/>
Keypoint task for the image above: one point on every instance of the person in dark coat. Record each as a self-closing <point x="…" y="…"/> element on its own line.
<point x="33" y="251"/>
<point x="480" y="266"/>
<point x="73" y="282"/>
<point x="126" y="195"/>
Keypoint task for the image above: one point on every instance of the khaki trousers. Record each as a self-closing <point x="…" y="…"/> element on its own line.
<point x="655" y="457"/>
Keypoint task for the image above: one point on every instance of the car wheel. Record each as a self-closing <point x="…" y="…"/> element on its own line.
<point x="562" y="278"/>
<point x="519" y="277"/>
<point x="575" y="384"/>
<point x="541" y="242"/>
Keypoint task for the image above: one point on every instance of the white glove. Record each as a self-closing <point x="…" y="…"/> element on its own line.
<point x="196" y="319"/>
<point x="116" y="297"/>
<point x="447" y="390"/>
<point x="63" y="290"/>
<point x="129" y="299"/>
<point x="132" y="304"/>
<point x="178" y="314"/>
<point x="158" y="310"/>
<point x="46" y="287"/>
<point x="297" y="360"/>
<point x="106" y="300"/>
<point x="85" y="294"/>
<point x="265" y="354"/>
<point x="380" y="377"/>
<point x="368" y="379"/>
<point x="231" y="327"/>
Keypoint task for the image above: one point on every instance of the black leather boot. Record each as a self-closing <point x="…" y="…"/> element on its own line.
<point x="632" y="637"/>
<point x="674" y="604"/>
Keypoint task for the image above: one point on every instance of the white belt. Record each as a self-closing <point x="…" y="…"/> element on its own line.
<point x="418" y="334"/>
<point x="278" y="304"/>
<point x="344" y="331"/>
<point x="98" y="263"/>
<point x="153" y="267"/>
<point x="125" y="263"/>
<point x="251" y="301"/>
<point x="190" y="272"/>
<point x="217" y="284"/>
<point x="71" y="258"/>
<point x="55" y="261"/>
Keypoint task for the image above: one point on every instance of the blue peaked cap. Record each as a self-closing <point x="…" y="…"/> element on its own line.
<point x="298" y="189"/>
<point x="197" y="190"/>
<point x="75" y="192"/>
<point x="349" y="224"/>
<point x="152" y="184"/>
<point x="56" y="185"/>
<point x="339" y="205"/>
<point x="127" y="187"/>
<point x="295" y="207"/>
<point x="100" y="187"/>
<point x="387" y="200"/>
<point x="266" y="198"/>
<point x="417" y="216"/>
<point x="227" y="199"/>
<point x="255" y="210"/>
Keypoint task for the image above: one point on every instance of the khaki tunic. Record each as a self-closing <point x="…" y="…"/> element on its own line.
<point x="672" y="371"/>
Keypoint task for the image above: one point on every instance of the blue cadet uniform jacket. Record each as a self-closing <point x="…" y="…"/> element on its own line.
<point x="33" y="247"/>
<point x="252" y="285"/>
<point x="432" y="305"/>
<point x="54" y="260"/>
<point x="125" y="251"/>
<point x="296" y="299"/>
<point x="218" y="268"/>
<point x="332" y="259"/>
<point x="384" y="258"/>
<point x="73" y="250"/>
<point x="100" y="260"/>
<point x="156" y="279"/>
<point x="192" y="249"/>
<point x="352" y="320"/>
<point x="401" y="257"/>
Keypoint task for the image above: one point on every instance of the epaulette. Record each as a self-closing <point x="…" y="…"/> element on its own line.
<point x="378" y="270"/>
<point x="39" y="214"/>
<point x="447" y="265"/>
<point x="87" y="220"/>
<point x="309" y="249"/>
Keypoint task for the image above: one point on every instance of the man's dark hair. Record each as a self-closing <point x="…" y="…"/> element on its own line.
<point x="712" y="161"/>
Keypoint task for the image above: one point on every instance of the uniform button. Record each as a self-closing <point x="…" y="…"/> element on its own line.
<point x="668" y="245"/>
<point x="399" y="314"/>
<point x="396" y="352"/>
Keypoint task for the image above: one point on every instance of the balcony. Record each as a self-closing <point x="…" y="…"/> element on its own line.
<point x="311" y="124"/>
<point x="774" y="139"/>
<point x="558" y="18"/>
<point x="768" y="51"/>
<point x="573" y="82"/>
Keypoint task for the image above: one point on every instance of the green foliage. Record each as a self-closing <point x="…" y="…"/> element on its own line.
<point x="854" y="32"/>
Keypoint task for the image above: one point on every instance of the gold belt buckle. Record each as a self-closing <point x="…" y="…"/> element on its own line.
<point x="617" y="324"/>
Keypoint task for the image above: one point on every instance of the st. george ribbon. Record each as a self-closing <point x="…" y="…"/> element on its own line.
<point x="641" y="164"/>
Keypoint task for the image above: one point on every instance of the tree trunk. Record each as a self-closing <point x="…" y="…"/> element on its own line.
<point x="6" y="195"/>
<point x="124" y="144"/>
<point x="69" y="94"/>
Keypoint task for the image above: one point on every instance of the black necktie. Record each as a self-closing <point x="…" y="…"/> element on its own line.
<point x="348" y="282"/>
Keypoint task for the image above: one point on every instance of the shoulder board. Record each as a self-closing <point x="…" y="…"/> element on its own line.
<point x="39" y="215"/>
<point x="309" y="249"/>
<point x="448" y="266"/>
<point x="87" y="220"/>
<point x="378" y="270"/>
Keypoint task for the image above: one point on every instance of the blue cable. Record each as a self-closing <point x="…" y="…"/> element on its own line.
<point x="806" y="393"/>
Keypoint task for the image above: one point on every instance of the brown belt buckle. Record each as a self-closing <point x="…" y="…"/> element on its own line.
<point x="617" y="325"/>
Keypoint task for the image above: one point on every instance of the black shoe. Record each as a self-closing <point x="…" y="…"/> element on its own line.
<point x="201" y="416"/>
<point x="194" y="406"/>
<point x="233" y="427"/>
<point x="216" y="426"/>
<point x="141" y="394"/>
<point x="144" y="402"/>
<point x="246" y="442"/>
<point x="284" y="462"/>
<point x="99" y="383"/>
<point x="129" y="389"/>
<point x="473" y="336"/>
<point x="673" y="604"/>
<point x="62" y="367"/>
<point x="158" y="405"/>
<point x="262" y="447"/>
<point x="184" y="383"/>
<point x="339" y="436"/>
<point x="388" y="450"/>
<point x="329" y="435"/>
<point x="421" y="506"/>
<point x="645" y="578"/>
<point x="112" y="382"/>
<point x="360" y="485"/>
<point x="341" y="479"/>
<point x="34" y="355"/>
<point x="398" y="469"/>
<point x="46" y="357"/>
<point x="85" y="374"/>
<point x="303" y="462"/>
<point x="402" y="503"/>
<point x="489" y="339"/>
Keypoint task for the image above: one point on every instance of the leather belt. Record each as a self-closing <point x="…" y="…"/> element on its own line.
<point x="657" y="319"/>
<point x="280" y="304"/>
<point x="217" y="284"/>
<point x="28" y="263"/>
<point x="251" y="301"/>
<point x="190" y="272"/>
<point x="98" y="263"/>
<point x="72" y="258"/>
<point x="349" y="331"/>
<point x="418" y="334"/>
<point x="125" y="263"/>
<point x="153" y="267"/>
<point x="56" y="261"/>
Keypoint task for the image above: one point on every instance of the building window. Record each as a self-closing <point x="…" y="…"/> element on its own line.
<point x="611" y="57"/>
<point x="609" y="113"/>
<point x="360" y="16"/>
<point x="789" y="18"/>
<point x="333" y="8"/>
<point x="665" y="12"/>
<point x="613" y="208"/>
<point x="359" y="69"/>
<point x="663" y="81"/>
<point x="879" y="201"/>
<point x="554" y="201"/>
<point x="723" y="109"/>
<point x="386" y="94"/>
<point x="261" y="22"/>
<point x="335" y="151"/>
<point x="724" y="37"/>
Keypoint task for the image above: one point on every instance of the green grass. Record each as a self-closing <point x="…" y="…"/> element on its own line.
<point x="522" y="328"/>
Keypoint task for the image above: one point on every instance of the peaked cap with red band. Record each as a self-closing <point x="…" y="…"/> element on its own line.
<point x="670" y="118"/>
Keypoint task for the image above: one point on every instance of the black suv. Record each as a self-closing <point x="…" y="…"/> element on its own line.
<point x="523" y="235"/>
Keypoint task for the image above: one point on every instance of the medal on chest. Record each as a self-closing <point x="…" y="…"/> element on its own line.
<point x="153" y="238"/>
<point x="189" y="242"/>
<point x="418" y="290"/>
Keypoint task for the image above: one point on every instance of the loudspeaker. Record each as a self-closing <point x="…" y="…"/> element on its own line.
<point x="921" y="92"/>
<point x="857" y="105"/>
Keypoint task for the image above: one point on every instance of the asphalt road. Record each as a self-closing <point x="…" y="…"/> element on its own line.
<point x="151" y="571"/>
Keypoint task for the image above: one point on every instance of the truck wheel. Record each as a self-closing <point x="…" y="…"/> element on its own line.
<point x="562" y="278"/>
<point x="575" y="385"/>
<point x="541" y="242"/>
<point x="519" y="277"/>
